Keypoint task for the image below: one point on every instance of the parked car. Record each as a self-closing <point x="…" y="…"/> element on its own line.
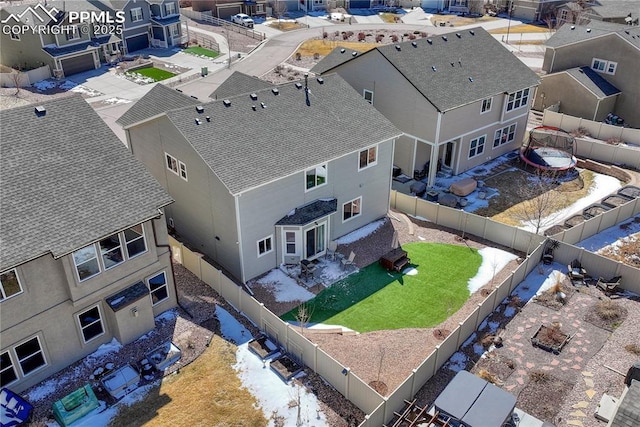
<point x="242" y="19"/>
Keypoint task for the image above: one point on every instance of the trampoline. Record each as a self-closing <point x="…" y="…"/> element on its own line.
<point x="549" y="148"/>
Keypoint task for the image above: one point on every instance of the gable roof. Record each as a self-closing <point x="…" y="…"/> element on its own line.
<point x="570" y="34"/>
<point x="67" y="181"/>
<point x="238" y="83"/>
<point x="247" y="147"/>
<point x="337" y="56"/>
<point x="303" y="215"/>
<point x="455" y="69"/>
<point x="616" y="8"/>
<point x="593" y="81"/>
<point x="157" y="101"/>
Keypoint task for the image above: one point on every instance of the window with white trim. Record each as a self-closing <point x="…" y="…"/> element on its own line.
<point x="290" y="242"/>
<point x="476" y="147"/>
<point x="351" y="209"/>
<point x="265" y="245"/>
<point x="368" y="157"/>
<point x="504" y="135"/>
<point x="564" y="13"/>
<point x="87" y="262"/>
<point x="158" y="288"/>
<point x="9" y="284"/>
<point x="518" y="99"/>
<point x="136" y="14"/>
<point x="611" y="67"/>
<point x="598" y="64"/>
<point x="183" y="170"/>
<point x="91" y="324"/>
<point x="486" y="105"/>
<point x="169" y="8"/>
<point x="172" y="163"/>
<point x="30" y="356"/>
<point x="316" y="177"/>
<point x="368" y="96"/>
<point x="74" y="34"/>
<point x="7" y="370"/>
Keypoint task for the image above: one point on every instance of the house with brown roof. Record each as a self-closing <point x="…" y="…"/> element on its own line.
<point x="84" y="254"/>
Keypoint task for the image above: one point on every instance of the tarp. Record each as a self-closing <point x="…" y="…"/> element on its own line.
<point x="475" y="402"/>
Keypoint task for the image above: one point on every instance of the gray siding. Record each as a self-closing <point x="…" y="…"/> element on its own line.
<point x="203" y="208"/>
<point x="24" y="53"/>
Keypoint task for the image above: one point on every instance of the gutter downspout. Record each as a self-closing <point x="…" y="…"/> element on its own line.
<point x="595" y="113"/>
<point x="240" y="253"/>
<point x="173" y="273"/>
<point x="433" y="164"/>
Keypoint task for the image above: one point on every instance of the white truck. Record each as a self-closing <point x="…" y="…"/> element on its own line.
<point x="242" y="19"/>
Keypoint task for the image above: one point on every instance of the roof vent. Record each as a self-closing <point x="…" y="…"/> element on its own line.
<point x="573" y="27"/>
<point x="458" y="35"/>
<point x="208" y="118"/>
<point x="444" y="38"/>
<point x="433" y="68"/>
<point x="194" y="97"/>
<point x="473" y="33"/>
<point x="254" y="96"/>
<point x="429" y="41"/>
<point x="40" y="111"/>
<point x="299" y="85"/>
<point x="354" y="53"/>
<point x="398" y="48"/>
<point x="198" y="121"/>
<point x="263" y="105"/>
<point x="414" y="44"/>
<point x="580" y="70"/>
<point x="471" y="79"/>
<point x="253" y="107"/>
<point x="275" y="91"/>
<point x="320" y="80"/>
<point x="227" y="103"/>
<point x="626" y="32"/>
<point x="588" y="30"/>
<point x="199" y="108"/>
<point x="179" y="90"/>
<point x="342" y="50"/>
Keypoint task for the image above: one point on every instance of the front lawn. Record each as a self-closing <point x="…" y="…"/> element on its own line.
<point x="375" y="299"/>
<point x="154" y="73"/>
<point x="201" y="51"/>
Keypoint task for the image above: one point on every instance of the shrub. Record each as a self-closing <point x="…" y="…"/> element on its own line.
<point x="539" y="376"/>
<point x="609" y="310"/>
<point x="412" y="37"/>
<point x="487" y="376"/>
<point x="350" y="33"/>
<point x="345" y="36"/>
<point x="325" y="35"/>
<point x="336" y="34"/>
<point x="614" y="140"/>
<point x="316" y="55"/>
<point x="361" y="37"/>
<point x="298" y="56"/>
<point x="394" y="38"/>
<point x="379" y="38"/>
<point x="423" y="34"/>
<point x="580" y="132"/>
<point x="633" y="349"/>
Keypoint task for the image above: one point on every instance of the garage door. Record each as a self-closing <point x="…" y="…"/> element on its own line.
<point x="137" y="42"/>
<point x="226" y="12"/>
<point x="78" y="64"/>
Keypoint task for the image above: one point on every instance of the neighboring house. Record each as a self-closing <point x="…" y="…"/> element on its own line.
<point x="166" y="30"/>
<point x="223" y="9"/>
<point x="238" y="83"/>
<point x="611" y="52"/>
<point x="615" y="11"/>
<point x="84" y="254"/>
<point x="65" y="52"/>
<point x="266" y="177"/>
<point x="460" y="98"/>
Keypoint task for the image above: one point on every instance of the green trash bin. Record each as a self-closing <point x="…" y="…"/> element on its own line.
<point x="204" y="71"/>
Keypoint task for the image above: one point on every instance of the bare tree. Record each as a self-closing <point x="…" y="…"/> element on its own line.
<point x="279" y="8"/>
<point x="303" y="315"/>
<point x="17" y="78"/>
<point x="476" y="7"/>
<point x="540" y="204"/>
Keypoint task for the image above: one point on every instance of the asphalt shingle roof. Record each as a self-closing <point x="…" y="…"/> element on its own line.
<point x="337" y="56"/>
<point x="628" y="414"/>
<point x="238" y="83"/>
<point x="459" y="68"/>
<point x="593" y="81"/>
<point x="569" y="34"/>
<point x="157" y="101"/>
<point x="67" y="181"/>
<point x="310" y="212"/>
<point x="247" y="147"/>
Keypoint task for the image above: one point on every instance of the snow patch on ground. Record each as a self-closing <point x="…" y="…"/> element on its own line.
<point x="285" y="289"/>
<point x="493" y="260"/>
<point x="361" y="232"/>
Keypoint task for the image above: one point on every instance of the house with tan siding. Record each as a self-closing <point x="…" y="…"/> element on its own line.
<point x="84" y="254"/>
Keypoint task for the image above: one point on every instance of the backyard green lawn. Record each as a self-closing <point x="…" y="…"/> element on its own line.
<point x="197" y="50"/>
<point x="375" y="299"/>
<point x="155" y="73"/>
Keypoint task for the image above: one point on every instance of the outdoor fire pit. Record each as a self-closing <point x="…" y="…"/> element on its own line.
<point x="550" y="338"/>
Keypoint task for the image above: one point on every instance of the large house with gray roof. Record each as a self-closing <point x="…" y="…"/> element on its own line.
<point x="460" y="98"/>
<point x="84" y="254"/>
<point x="592" y="71"/>
<point x="270" y="176"/>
